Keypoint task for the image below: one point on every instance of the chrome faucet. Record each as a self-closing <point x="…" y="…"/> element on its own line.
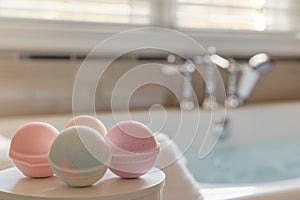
<point x="257" y="65"/>
<point x="232" y="99"/>
<point x="210" y="60"/>
<point x="236" y="92"/>
<point x="187" y="101"/>
<point x="251" y="71"/>
<point x="186" y="68"/>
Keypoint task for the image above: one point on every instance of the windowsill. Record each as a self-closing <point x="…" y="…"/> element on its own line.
<point x="38" y="35"/>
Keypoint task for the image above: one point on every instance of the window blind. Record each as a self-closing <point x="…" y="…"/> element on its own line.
<point x="254" y="15"/>
<point x="102" y="11"/>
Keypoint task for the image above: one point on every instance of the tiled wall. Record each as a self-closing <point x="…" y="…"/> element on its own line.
<point x="46" y="87"/>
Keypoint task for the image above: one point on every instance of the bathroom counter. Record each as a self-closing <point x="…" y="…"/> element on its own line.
<point x="15" y="186"/>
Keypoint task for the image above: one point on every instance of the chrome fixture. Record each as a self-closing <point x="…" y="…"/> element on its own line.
<point x="187" y="69"/>
<point x="232" y="67"/>
<point x="187" y="101"/>
<point x="257" y="65"/>
<point x="232" y="99"/>
<point x="251" y="71"/>
<point x="210" y="60"/>
<point x="236" y="92"/>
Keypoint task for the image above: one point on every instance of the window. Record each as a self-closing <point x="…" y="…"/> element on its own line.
<point x="101" y="11"/>
<point x="253" y="15"/>
<point x="233" y="26"/>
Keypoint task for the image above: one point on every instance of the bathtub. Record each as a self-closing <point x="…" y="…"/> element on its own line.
<point x="248" y="126"/>
<point x="270" y="132"/>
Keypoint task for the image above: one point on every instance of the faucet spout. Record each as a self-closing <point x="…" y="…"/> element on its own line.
<point x="257" y="65"/>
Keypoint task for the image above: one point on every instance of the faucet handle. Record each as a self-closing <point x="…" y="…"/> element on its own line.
<point x="188" y="67"/>
<point x="217" y="59"/>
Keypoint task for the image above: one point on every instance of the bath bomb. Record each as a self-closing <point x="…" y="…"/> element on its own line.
<point x="79" y="156"/>
<point x="29" y="149"/>
<point x="134" y="149"/>
<point x="89" y="121"/>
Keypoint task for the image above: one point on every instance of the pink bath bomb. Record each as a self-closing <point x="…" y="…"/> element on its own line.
<point x="29" y="149"/>
<point x="132" y="136"/>
<point x="134" y="149"/>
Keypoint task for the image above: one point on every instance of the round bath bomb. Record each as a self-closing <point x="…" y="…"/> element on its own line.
<point x="79" y="156"/>
<point x="29" y="149"/>
<point x="89" y="121"/>
<point x="134" y="149"/>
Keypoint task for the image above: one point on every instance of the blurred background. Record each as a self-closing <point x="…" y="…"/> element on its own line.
<point x="43" y="43"/>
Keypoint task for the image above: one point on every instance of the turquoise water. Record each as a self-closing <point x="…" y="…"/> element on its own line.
<point x="250" y="163"/>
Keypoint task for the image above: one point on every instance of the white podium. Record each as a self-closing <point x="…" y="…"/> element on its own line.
<point x="15" y="186"/>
